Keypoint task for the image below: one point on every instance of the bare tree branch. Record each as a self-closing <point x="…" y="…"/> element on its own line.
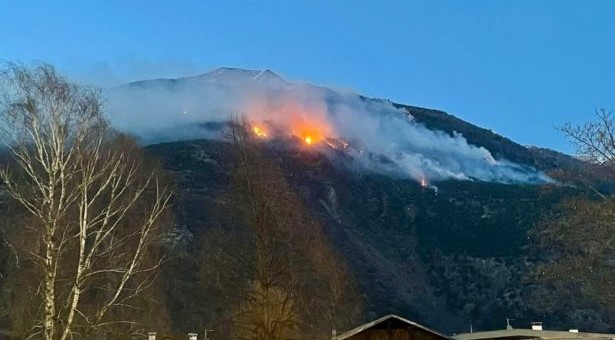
<point x="86" y="197"/>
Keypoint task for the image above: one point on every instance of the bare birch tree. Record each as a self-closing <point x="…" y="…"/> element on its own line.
<point x="91" y="215"/>
<point x="595" y="139"/>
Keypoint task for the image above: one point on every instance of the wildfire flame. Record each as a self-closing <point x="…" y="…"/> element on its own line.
<point x="310" y="132"/>
<point x="308" y="123"/>
<point x="309" y="135"/>
<point x="425" y="184"/>
<point x="259" y="132"/>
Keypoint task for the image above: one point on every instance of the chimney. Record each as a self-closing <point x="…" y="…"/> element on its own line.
<point x="508" y="325"/>
<point x="151" y="336"/>
<point x="192" y="336"/>
<point x="537" y="326"/>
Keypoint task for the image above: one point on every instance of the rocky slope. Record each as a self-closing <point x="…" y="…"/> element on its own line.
<point x="446" y="255"/>
<point x="440" y="258"/>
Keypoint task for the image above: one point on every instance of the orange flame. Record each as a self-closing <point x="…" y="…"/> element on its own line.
<point x="259" y="132"/>
<point x="309" y="123"/>
<point x="310" y="132"/>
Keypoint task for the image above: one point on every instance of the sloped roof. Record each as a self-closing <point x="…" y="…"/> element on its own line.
<point x="371" y="324"/>
<point x="519" y="333"/>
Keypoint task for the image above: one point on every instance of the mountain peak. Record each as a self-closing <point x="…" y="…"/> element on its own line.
<point x="267" y="73"/>
<point x="231" y="74"/>
<point x="231" y="71"/>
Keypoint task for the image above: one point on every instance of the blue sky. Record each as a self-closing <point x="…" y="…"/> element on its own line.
<point x="517" y="67"/>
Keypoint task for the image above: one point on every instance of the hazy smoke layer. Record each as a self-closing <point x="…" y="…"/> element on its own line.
<point x="380" y="137"/>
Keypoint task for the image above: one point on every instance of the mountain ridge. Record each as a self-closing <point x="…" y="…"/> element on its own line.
<point x="542" y="158"/>
<point x="224" y="89"/>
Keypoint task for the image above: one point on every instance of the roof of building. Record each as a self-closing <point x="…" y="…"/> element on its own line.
<point x="383" y="319"/>
<point x="532" y="334"/>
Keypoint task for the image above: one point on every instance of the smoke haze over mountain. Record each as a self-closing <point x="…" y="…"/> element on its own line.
<point x="378" y="136"/>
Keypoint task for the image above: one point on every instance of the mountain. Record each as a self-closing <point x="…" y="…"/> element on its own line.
<point x="223" y="76"/>
<point x="441" y="257"/>
<point x="429" y="212"/>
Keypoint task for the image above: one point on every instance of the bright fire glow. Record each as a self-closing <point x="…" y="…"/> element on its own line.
<point x="309" y="123"/>
<point x="310" y="132"/>
<point x="424" y="182"/>
<point x="259" y="132"/>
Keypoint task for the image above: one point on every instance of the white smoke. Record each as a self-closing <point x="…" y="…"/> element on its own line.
<point x="383" y="138"/>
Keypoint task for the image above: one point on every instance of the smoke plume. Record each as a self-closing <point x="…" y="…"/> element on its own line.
<point x="377" y="135"/>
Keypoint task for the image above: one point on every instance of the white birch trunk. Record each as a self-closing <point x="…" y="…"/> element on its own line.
<point x="80" y="189"/>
